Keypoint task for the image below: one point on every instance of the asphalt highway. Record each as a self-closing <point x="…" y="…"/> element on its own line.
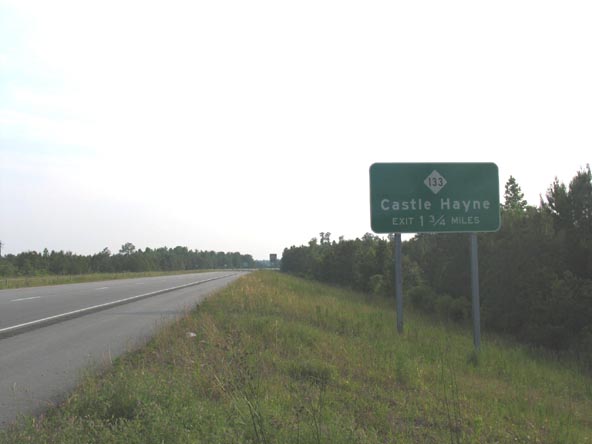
<point x="50" y="335"/>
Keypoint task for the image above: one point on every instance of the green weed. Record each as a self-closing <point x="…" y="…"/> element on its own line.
<point x="277" y="359"/>
<point x="38" y="281"/>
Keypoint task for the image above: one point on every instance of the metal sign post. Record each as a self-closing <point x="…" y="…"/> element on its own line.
<point x="399" y="282"/>
<point x="475" y="292"/>
<point x="435" y="198"/>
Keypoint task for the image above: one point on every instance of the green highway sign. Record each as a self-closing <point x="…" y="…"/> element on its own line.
<point x="434" y="197"/>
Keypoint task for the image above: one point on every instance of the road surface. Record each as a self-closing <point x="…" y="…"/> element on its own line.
<point x="49" y="335"/>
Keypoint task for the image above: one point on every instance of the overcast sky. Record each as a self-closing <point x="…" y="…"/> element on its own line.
<point x="250" y="125"/>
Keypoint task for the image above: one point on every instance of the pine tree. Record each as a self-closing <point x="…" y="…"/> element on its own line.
<point x="513" y="196"/>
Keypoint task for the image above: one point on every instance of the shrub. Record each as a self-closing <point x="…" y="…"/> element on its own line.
<point x="422" y="297"/>
<point x="377" y="284"/>
<point x="443" y="305"/>
<point x="460" y="309"/>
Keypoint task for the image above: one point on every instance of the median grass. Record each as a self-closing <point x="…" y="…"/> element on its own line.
<point x="277" y="359"/>
<point x="57" y="279"/>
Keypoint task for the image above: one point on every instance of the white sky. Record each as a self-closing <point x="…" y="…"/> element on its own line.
<point x="250" y="125"/>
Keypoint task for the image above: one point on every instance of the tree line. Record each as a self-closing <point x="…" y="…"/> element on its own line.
<point x="535" y="272"/>
<point x="128" y="259"/>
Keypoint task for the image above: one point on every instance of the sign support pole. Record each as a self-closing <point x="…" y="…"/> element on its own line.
<point x="475" y="292"/>
<point x="435" y="197"/>
<point x="399" y="282"/>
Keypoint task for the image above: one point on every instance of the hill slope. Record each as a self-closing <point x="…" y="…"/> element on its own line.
<point x="276" y="359"/>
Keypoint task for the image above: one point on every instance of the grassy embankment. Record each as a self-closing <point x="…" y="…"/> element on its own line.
<point x="277" y="359"/>
<point x="56" y="279"/>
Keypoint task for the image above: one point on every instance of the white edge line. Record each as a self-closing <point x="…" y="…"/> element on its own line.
<point x="107" y="304"/>
<point x="25" y="299"/>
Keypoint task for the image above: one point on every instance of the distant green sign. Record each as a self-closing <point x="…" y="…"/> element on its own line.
<point x="434" y="197"/>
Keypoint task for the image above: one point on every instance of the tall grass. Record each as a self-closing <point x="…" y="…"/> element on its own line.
<point x="276" y="359"/>
<point x="54" y="279"/>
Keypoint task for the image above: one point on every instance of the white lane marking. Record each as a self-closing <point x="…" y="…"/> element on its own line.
<point x="25" y="299"/>
<point x="109" y="304"/>
<point x="139" y="283"/>
<point x="102" y="288"/>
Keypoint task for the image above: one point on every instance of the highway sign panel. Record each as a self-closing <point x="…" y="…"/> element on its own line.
<point x="434" y="197"/>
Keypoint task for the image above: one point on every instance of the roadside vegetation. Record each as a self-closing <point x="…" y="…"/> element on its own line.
<point x="278" y="359"/>
<point x="535" y="272"/>
<point x="48" y="265"/>
<point x="57" y="279"/>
